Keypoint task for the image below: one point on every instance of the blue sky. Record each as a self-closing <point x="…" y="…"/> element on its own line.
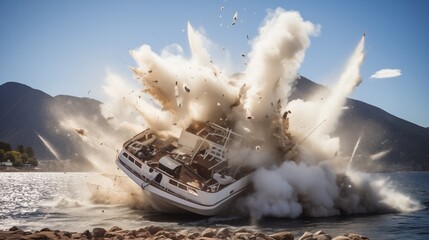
<point x="67" y="47"/>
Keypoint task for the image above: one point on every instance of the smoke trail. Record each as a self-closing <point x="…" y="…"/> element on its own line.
<point x="49" y="147"/>
<point x="326" y="109"/>
<point x="353" y="153"/>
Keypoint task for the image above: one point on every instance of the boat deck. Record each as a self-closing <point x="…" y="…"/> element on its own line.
<point x="197" y="167"/>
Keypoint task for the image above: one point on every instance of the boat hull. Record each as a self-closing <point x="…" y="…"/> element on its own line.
<point x="164" y="201"/>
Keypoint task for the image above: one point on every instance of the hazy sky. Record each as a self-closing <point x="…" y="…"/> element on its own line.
<point x="67" y="47"/>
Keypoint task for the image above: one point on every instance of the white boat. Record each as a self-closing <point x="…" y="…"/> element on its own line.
<point x="188" y="173"/>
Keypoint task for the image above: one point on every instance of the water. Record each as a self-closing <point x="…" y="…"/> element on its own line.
<point x="32" y="201"/>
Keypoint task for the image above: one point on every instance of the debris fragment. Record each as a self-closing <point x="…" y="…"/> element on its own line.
<point x="235" y="18"/>
<point x="186" y="89"/>
<point x="243" y="55"/>
<point x="80" y="131"/>
<point x="249" y="117"/>
<point x="286" y="113"/>
<point x="247" y="36"/>
<point x="150" y="71"/>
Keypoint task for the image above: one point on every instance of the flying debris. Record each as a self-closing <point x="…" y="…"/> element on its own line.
<point x="80" y="132"/>
<point x="186" y="89"/>
<point x="286" y="113"/>
<point x="109" y="118"/>
<point x="136" y="72"/>
<point x="243" y="55"/>
<point x="249" y="117"/>
<point x="221" y="8"/>
<point x="150" y="71"/>
<point x="247" y="36"/>
<point x="89" y="91"/>
<point x="235" y="18"/>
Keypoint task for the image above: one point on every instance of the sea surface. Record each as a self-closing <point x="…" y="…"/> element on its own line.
<point x="62" y="201"/>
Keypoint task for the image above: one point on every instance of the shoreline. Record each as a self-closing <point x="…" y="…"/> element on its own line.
<point x="156" y="232"/>
<point x="21" y="170"/>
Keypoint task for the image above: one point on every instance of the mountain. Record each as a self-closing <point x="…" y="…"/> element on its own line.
<point x="27" y="115"/>
<point x="388" y="143"/>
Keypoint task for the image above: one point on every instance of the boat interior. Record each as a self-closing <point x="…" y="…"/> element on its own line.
<point x="198" y="158"/>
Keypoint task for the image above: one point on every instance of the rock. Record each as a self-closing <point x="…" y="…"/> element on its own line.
<point x="182" y="234"/>
<point x="42" y="236"/>
<point x="165" y="234"/>
<point x="261" y="236"/>
<point x="76" y="236"/>
<point x="223" y="233"/>
<point x="306" y="236"/>
<point x="322" y="237"/>
<point x="98" y="233"/>
<point x="14" y="228"/>
<point x="242" y="235"/>
<point x="153" y="229"/>
<point x="209" y="232"/>
<point x="282" y="236"/>
<point x="67" y="234"/>
<point x="45" y="230"/>
<point x="115" y="229"/>
<point x="193" y="235"/>
<point x="243" y="230"/>
<point x="87" y="234"/>
<point x="355" y="236"/>
<point x="341" y="238"/>
<point x="131" y="233"/>
<point x="110" y="235"/>
<point x="143" y="235"/>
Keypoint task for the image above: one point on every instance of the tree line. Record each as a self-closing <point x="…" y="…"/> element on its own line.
<point x="19" y="156"/>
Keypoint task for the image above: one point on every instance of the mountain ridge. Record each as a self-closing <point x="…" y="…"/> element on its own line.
<point x="28" y="113"/>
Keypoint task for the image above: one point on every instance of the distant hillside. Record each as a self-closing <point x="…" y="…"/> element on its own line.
<point x="393" y="143"/>
<point x="27" y="113"/>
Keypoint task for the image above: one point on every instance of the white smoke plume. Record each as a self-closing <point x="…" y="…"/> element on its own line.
<point x="288" y="143"/>
<point x="274" y="60"/>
